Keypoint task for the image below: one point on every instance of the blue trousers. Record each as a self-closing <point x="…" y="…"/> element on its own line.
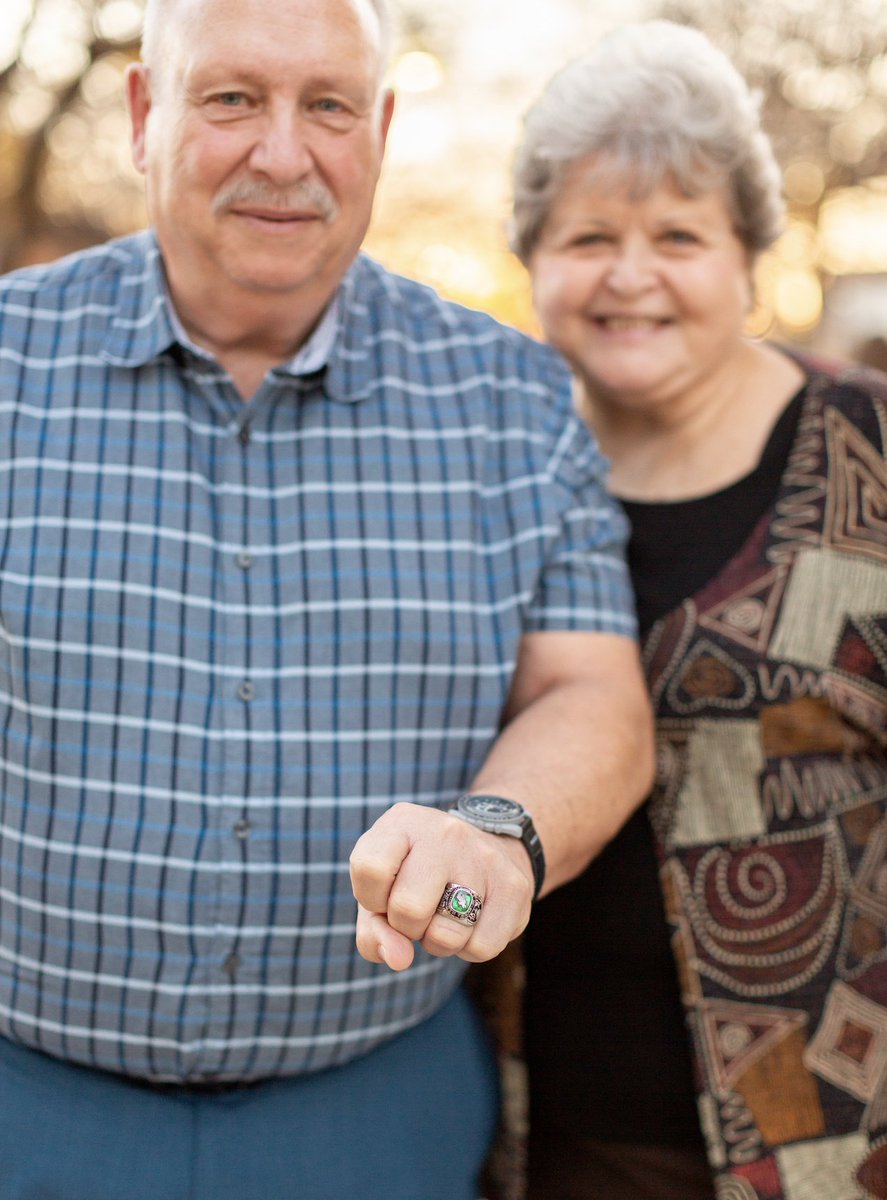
<point x="410" y="1121"/>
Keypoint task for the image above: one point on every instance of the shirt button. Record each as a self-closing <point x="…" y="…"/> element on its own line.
<point x="246" y="691"/>
<point x="243" y="435"/>
<point x="245" y="560"/>
<point x="231" y="965"/>
<point x="242" y="829"/>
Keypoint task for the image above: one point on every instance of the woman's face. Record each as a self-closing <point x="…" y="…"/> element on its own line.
<point x="645" y="297"/>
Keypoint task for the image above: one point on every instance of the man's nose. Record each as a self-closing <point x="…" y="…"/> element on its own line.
<point x="282" y="151"/>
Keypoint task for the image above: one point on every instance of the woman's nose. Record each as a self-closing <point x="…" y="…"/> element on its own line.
<point x="632" y="269"/>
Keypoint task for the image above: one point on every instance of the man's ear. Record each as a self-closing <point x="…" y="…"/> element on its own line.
<point x="387" y="112"/>
<point x="137" y="81"/>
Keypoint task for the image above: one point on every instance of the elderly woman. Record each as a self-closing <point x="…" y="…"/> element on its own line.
<point x="706" y="1008"/>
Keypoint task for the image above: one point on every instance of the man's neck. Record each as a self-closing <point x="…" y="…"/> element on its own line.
<point x="249" y="334"/>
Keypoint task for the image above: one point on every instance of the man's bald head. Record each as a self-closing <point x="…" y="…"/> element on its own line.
<point x="160" y="16"/>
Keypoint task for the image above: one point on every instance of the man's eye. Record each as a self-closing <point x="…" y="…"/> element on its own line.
<point x="329" y="105"/>
<point x="681" y="237"/>
<point x="230" y="99"/>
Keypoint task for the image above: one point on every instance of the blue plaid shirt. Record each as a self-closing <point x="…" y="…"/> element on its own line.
<point x="231" y="635"/>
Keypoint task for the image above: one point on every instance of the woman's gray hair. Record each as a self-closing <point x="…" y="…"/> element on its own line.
<point x="651" y="100"/>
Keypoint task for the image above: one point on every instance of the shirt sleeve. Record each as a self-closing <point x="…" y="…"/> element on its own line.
<point x="585" y="584"/>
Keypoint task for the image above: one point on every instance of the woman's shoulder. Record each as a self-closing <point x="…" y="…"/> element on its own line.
<point x="852" y="390"/>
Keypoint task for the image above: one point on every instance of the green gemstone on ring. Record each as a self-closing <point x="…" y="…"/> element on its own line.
<point x="460" y="901"/>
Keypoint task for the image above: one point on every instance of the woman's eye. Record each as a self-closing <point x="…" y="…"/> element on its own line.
<point x="681" y="237"/>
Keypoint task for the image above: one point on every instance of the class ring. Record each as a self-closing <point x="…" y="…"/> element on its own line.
<point x="461" y="903"/>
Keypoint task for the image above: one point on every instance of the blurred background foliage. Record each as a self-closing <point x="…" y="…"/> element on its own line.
<point x="465" y="71"/>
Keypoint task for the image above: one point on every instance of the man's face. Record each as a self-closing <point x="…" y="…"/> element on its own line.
<point x="261" y="135"/>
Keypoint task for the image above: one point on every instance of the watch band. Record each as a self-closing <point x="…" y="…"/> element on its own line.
<point x="504" y="817"/>
<point x="533" y="846"/>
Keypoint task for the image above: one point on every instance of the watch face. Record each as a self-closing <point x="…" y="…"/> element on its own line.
<point x="492" y="808"/>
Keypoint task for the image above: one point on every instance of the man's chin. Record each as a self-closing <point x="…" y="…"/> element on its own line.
<point x="272" y="284"/>
<point x="277" y="278"/>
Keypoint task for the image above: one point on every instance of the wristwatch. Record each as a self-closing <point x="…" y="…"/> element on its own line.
<point x="495" y="814"/>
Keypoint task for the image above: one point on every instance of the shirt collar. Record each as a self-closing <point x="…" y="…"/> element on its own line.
<point x="355" y="366"/>
<point x="344" y="342"/>
<point x="312" y="356"/>
<point x="147" y="324"/>
<point x="141" y="328"/>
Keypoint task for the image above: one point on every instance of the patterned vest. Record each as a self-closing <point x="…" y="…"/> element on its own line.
<point x="770" y="689"/>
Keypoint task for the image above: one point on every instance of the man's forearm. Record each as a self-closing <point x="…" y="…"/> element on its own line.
<point x="576" y="749"/>
<point x="580" y="759"/>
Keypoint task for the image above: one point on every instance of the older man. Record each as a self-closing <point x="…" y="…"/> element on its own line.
<point x="294" y="556"/>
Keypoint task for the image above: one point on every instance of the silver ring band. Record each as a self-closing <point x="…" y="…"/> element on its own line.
<point x="461" y="903"/>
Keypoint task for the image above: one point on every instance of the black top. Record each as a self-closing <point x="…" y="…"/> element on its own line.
<point x="605" y="1037"/>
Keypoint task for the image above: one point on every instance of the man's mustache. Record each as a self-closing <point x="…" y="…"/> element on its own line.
<point x="310" y="195"/>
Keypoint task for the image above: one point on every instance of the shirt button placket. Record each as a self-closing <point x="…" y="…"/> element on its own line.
<point x="235" y="830"/>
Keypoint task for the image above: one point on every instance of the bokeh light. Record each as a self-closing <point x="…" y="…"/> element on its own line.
<point x="464" y="74"/>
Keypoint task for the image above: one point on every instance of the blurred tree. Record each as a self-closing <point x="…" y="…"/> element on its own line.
<point x="822" y="69"/>
<point x="819" y="65"/>
<point x="66" y="179"/>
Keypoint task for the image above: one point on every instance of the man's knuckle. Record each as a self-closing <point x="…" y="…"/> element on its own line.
<point x="407" y="911"/>
<point x="365" y="862"/>
<point x="483" y="947"/>
<point x="443" y="935"/>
